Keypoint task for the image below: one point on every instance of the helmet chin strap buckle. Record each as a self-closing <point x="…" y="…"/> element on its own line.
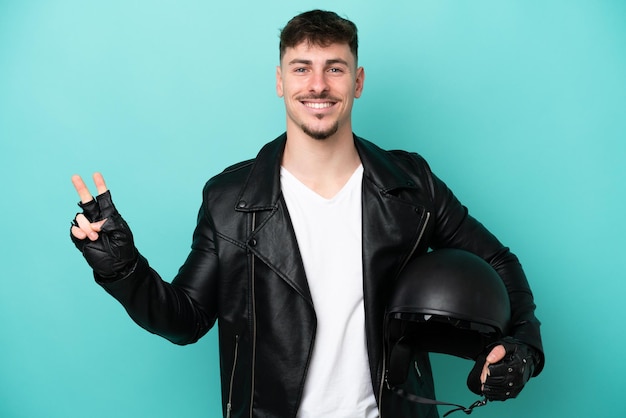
<point x="468" y="410"/>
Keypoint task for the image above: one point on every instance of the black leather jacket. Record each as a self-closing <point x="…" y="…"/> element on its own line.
<point x="245" y="271"/>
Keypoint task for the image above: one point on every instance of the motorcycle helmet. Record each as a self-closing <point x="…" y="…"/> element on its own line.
<point x="447" y="301"/>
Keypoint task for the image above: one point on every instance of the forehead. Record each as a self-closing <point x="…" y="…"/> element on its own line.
<point x="317" y="53"/>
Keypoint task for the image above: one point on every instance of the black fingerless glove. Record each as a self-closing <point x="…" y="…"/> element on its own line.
<point x="507" y="377"/>
<point x="113" y="255"/>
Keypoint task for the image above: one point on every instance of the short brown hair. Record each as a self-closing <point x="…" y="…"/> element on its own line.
<point x="319" y="27"/>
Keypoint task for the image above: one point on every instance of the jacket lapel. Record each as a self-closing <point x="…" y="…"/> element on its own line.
<point x="272" y="239"/>
<point x="393" y="213"/>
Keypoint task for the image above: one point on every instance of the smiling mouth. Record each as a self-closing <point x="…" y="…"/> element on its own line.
<point x="318" y="105"/>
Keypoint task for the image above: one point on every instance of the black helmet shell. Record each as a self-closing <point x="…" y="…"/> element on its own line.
<point x="448" y="301"/>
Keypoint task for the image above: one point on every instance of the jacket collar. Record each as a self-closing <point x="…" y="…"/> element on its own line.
<point x="262" y="188"/>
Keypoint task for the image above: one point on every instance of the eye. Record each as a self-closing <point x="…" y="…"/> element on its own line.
<point x="335" y="70"/>
<point x="299" y="70"/>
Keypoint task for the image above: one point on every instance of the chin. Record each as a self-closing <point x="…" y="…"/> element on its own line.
<point x="321" y="134"/>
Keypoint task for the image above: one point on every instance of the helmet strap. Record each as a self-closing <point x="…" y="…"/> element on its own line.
<point x="419" y="399"/>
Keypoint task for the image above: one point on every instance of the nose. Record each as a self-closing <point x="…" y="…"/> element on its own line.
<point x="318" y="82"/>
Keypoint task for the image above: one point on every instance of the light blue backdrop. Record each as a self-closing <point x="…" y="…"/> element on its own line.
<point x="519" y="105"/>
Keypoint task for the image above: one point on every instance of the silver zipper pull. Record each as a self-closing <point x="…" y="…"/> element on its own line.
<point x="417" y="369"/>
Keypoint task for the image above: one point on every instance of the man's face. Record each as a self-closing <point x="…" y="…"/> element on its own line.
<point x="319" y="85"/>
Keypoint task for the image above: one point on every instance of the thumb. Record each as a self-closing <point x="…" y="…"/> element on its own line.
<point x="496" y="354"/>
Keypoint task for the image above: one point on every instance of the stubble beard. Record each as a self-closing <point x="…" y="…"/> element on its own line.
<point x="320" y="135"/>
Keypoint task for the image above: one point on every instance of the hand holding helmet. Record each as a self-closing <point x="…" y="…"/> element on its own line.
<point x="504" y="375"/>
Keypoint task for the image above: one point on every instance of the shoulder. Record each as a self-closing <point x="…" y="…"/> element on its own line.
<point x="397" y="155"/>
<point x="231" y="174"/>
<point x="264" y="164"/>
<point x="395" y="164"/>
<point x="225" y="186"/>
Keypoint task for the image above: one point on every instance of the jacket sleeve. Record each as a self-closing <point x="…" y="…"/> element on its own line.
<point x="456" y="228"/>
<point x="181" y="311"/>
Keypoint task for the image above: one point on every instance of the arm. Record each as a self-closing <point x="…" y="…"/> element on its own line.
<point x="455" y="228"/>
<point x="178" y="311"/>
<point x="504" y="370"/>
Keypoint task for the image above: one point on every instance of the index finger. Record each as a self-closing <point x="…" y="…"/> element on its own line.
<point x="83" y="192"/>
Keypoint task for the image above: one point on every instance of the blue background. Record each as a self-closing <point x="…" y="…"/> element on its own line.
<point x="518" y="105"/>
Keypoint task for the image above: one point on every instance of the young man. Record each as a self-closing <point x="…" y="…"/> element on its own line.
<point x="295" y="250"/>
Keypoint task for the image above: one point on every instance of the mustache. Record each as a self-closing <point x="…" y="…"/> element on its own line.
<point x="322" y="96"/>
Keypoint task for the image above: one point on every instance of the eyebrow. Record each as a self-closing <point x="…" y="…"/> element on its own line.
<point x="309" y="62"/>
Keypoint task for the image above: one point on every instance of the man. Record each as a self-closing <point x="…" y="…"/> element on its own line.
<point x="295" y="250"/>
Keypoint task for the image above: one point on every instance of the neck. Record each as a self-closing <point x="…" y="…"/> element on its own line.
<point x="323" y="165"/>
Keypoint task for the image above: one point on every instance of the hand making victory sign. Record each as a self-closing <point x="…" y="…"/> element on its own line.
<point x="101" y="233"/>
<point x="85" y="228"/>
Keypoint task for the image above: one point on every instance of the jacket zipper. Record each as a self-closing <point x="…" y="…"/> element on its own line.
<point x="382" y="382"/>
<point x="229" y="405"/>
<point x="384" y="376"/>
<point x="419" y="239"/>
<point x="253" y="314"/>
<point x="417" y="369"/>
<point x="253" y="307"/>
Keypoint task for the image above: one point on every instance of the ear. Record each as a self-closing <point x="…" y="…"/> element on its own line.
<point x="279" y="82"/>
<point x="360" y="80"/>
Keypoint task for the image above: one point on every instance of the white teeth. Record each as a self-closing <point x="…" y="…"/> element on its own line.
<point x="318" y="105"/>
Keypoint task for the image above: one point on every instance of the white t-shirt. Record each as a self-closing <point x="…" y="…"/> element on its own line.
<point x="328" y="231"/>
